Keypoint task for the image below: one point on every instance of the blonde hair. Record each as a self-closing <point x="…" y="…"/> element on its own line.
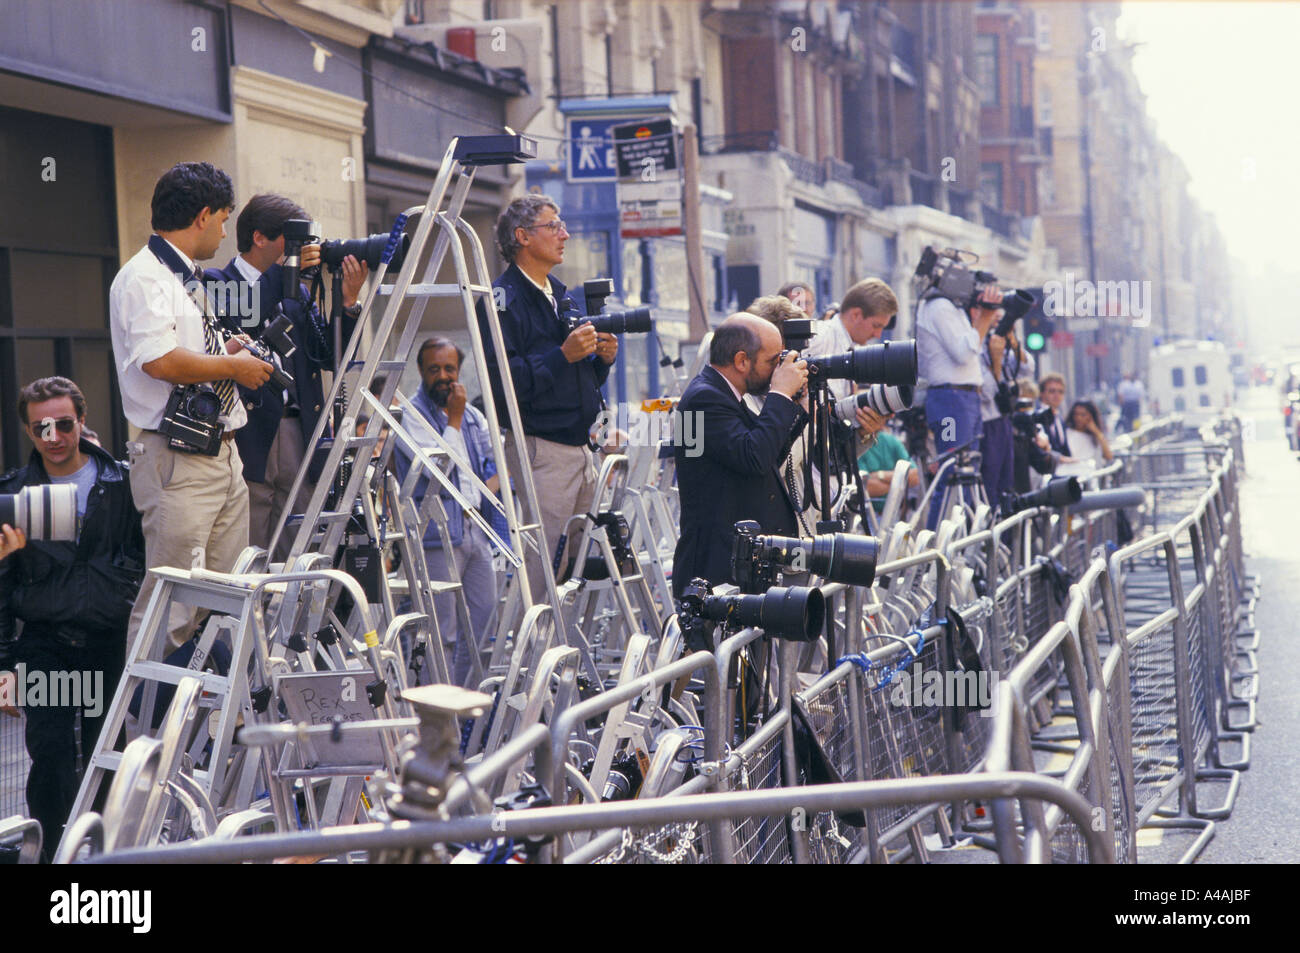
<point x="775" y="309"/>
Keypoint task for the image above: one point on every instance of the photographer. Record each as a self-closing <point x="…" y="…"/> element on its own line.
<point x="735" y="477"/>
<point x="557" y="372"/>
<point x="73" y="598"/>
<point x="949" y="343"/>
<point x="1003" y="362"/>
<point x="280" y="421"/>
<point x="866" y="311"/>
<point x="190" y="491"/>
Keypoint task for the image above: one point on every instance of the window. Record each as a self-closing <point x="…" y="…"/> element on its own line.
<point x="1043" y="25"/>
<point x="990" y="183"/>
<point x="986" y="69"/>
<point x="1202" y="377"/>
<point x="1045" y="106"/>
<point x="1178" y="377"/>
<point x="1205" y="400"/>
<point x="1046" y="187"/>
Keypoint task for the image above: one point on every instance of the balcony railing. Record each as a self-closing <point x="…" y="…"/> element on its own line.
<point x="999" y="221"/>
<point x="1022" y="122"/>
<point x="804" y="169"/>
<point x="739" y="142"/>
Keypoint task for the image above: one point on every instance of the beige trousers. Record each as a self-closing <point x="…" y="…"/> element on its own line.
<point x="565" y="478"/>
<point x="194" y="509"/>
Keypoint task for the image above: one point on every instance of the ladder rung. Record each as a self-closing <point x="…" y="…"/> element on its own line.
<point x="172" y="675"/>
<point x="425" y="290"/>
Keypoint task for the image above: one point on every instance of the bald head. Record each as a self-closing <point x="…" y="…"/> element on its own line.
<point x="744" y="351"/>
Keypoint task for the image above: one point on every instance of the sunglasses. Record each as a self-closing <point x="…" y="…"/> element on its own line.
<point x="63" y="424"/>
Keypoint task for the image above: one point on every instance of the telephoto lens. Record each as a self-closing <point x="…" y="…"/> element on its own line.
<point x="836" y="557"/>
<point x="893" y="362"/>
<point x="881" y="398"/>
<point x="47" y="512"/>
<point x="1014" y="306"/>
<point x="369" y="249"/>
<point x="632" y="321"/>
<point x="1059" y="492"/>
<point x="796" y="613"/>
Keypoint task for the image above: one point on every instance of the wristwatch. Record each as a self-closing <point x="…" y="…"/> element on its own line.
<point x="353" y="311"/>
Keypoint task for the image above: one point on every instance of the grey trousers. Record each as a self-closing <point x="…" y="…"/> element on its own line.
<point x="474" y="564"/>
<point x="194" y="511"/>
<point x="268" y="499"/>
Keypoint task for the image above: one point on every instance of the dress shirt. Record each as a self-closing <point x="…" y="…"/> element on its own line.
<point x="150" y="315"/>
<point x="832" y="338"/>
<point x="947" y="344"/>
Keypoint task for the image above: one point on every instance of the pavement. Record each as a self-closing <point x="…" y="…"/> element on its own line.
<point x="1265" y="825"/>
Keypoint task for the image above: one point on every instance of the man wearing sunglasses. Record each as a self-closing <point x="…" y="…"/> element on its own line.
<point x="557" y="372"/>
<point x="73" y="598"/>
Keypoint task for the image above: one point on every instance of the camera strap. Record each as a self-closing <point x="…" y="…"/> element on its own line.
<point x="213" y="336"/>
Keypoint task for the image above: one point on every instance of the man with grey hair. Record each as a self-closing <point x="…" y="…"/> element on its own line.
<point x="557" y="372"/>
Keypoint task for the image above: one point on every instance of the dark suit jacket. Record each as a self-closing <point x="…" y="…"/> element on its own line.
<point x="1059" y="441"/>
<point x="734" y="476"/>
<point x="265" y="405"/>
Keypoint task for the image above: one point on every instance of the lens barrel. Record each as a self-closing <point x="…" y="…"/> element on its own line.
<point x="632" y="321"/>
<point x="796" y="613"/>
<point x="893" y="362"/>
<point x="46" y="512"/>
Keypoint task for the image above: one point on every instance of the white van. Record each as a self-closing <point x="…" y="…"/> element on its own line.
<point x="1191" y="378"/>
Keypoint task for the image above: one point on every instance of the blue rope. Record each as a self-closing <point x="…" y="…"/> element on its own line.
<point x="889" y="671"/>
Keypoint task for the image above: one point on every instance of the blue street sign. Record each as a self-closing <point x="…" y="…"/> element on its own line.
<point x="591" y="148"/>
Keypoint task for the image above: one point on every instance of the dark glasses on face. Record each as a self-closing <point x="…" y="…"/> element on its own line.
<point x="64" y="424"/>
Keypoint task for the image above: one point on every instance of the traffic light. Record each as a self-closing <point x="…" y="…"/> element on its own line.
<point x="1039" y="328"/>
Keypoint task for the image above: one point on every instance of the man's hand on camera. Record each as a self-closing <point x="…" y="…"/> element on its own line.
<point x="607" y="347"/>
<point x="986" y="309"/>
<point x="237" y="343"/>
<point x="309" y="256"/>
<point x="790" y="375"/>
<point x="580" y="344"/>
<point x="869" y="422"/>
<point x="354" y="276"/>
<point x="249" y="371"/>
<point x="11" y="540"/>
<point x="997" y="346"/>
<point x="456" y="405"/>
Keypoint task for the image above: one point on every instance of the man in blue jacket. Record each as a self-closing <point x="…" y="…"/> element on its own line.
<point x="557" y="372"/>
<point x="441" y="401"/>
<point x="73" y="600"/>
<point x="280" y="424"/>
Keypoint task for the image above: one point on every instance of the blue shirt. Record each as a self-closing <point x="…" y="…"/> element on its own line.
<point x="478" y="444"/>
<point x="947" y="345"/>
<point x="84" y="479"/>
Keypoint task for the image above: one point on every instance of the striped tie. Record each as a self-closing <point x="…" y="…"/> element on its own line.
<point x="212" y="344"/>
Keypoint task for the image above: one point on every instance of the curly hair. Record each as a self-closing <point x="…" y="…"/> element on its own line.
<point x="185" y="190"/>
<point x="47" y="388"/>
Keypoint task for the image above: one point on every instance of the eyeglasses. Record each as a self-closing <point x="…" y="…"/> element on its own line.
<point x="64" y="424"/>
<point x="556" y="226"/>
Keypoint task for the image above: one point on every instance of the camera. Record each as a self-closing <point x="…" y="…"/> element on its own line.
<point x="189" y="420"/>
<point x="631" y="321"/>
<point x="45" y="512"/>
<point x="881" y="398"/>
<point x="1062" y="491"/>
<point x="796" y="613"/>
<point x="275" y="338"/>
<point x="892" y="362"/>
<point x="952" y="279"/>
<point x="369" y="249"/>
<point x="836" y="557"/>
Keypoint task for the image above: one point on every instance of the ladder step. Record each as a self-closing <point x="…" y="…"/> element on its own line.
<point x="172" y="675"/>
<point x="425" y="290"/>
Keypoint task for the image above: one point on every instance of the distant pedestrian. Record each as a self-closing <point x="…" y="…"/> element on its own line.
<point x="1131" y="394"/>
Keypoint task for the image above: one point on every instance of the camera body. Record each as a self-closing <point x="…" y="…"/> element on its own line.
<point x="951" y="277"/>
<point x="836" y="557"/>
<point x="275" y="338"/>
<point x="630" y="321"/>
<point x="189" y="420"/>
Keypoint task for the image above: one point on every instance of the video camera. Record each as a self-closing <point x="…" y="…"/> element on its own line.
<point x="836" y="557"/>
<point x="952" y="279"/>
<point x="796" y="613"/>
<point x="631" y="321"/>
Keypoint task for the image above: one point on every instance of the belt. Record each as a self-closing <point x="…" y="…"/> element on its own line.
<point x="228" y="435"/>
<point x="954" y="387"/>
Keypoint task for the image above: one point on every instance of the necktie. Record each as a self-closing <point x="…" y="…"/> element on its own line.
<point x="212" y="344"/>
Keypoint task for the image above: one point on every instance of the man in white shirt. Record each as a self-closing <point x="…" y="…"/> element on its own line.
<point x="949" y="342"/>
<point x="1130" y="393"/>
<point x="194" y="506"/>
